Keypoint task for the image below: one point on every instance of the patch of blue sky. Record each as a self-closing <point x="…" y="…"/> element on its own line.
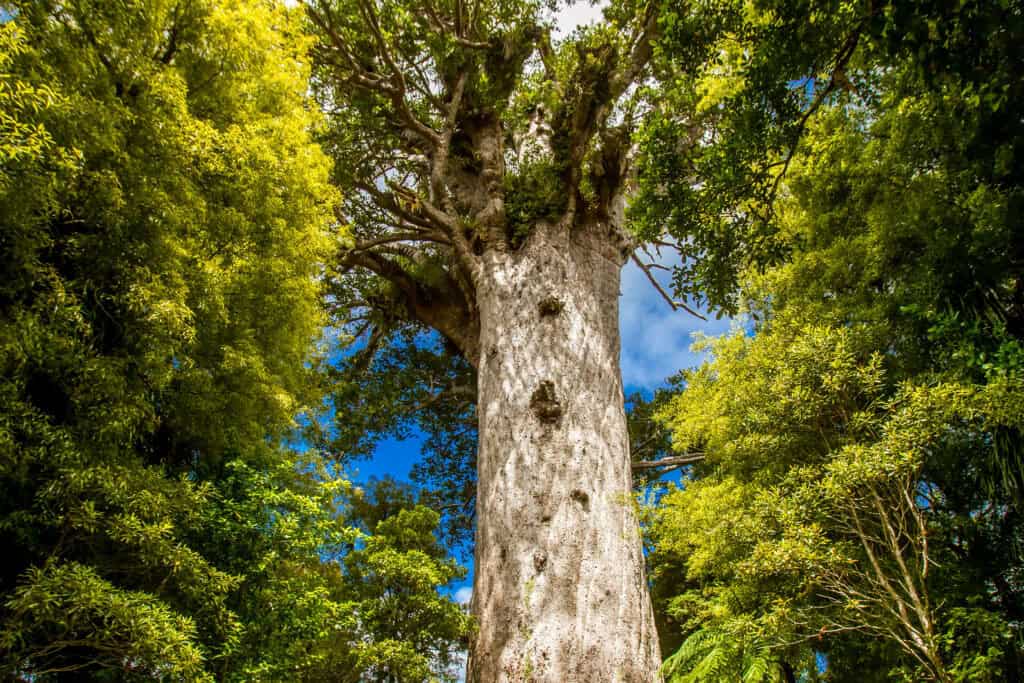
<point x="657" y="341"/>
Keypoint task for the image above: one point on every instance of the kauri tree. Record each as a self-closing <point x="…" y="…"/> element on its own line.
<point x="486" y="169"/>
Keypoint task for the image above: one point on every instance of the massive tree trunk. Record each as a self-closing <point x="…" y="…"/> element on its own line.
<point x="560" y="592"/>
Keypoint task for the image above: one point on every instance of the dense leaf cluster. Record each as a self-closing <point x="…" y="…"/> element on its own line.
<point x="164" y="220"/>
<point x="739" y="82"/>
<point x="857" y="515"/>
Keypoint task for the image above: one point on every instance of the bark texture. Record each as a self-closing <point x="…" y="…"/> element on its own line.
<point x="560" y="593"/>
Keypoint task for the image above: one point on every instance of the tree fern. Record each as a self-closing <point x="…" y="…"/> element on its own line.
<point x="725" y="653"/>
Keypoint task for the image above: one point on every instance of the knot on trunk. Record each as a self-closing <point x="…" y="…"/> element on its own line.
<point x="550" y="307"/>
<point x="544" y="404"/>
<point x="581" y="498"/>
<point x="540" y="559"/>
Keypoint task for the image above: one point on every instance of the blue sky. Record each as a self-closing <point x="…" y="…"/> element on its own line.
<point x="656" y="340"/>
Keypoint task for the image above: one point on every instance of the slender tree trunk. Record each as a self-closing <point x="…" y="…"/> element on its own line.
<point x="560" y="592"/>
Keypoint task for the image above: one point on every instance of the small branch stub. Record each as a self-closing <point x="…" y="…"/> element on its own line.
<point x="544" y="404"/>
<point x="550" y="307"/>
<point x="670" y="463"/>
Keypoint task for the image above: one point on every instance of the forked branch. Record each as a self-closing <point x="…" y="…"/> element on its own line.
<point x="676" y="305"/>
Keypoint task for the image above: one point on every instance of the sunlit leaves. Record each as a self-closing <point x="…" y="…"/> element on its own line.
<point x="165" y="216"/>
<point x="867" y="433"/>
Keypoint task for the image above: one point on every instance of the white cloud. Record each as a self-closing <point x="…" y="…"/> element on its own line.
<point x="577" y="14"/>
<point x="656" y="340"/>
<point x="463" y="595"/>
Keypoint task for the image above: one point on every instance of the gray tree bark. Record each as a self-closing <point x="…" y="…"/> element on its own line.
<point x="560" y="592"/>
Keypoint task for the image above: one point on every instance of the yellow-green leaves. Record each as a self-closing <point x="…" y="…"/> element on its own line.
<point x="71" y="605"/>
<point x="21" y="138"/>
<point x="722" y="78"/>
<point x="164" y="218"/>
<point x="766" y="395"/>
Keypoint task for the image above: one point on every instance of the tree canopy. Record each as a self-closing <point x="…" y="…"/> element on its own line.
<point x="165" y="217"/>
<point x="855" y="514"/>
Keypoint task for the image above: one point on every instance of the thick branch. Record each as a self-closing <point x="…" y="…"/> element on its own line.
<point x="643" y="47"/>
<point x="445" y="28"/>
<point x="391" y="238"/>
<point x="445" y="309"/>
<point x="602" y="78"/>
<point x="670" y="463"/>
<point x="397" y="77"/>
<point x="439" y="167"/>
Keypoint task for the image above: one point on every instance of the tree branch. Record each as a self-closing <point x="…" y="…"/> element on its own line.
<point x="417" y="236"/>
<point x="843" y="57"/>
<point x="397" y="77"/>
<point x="394" y="88"/>
<point x="672" y="463"/>
<point x="640" y="54"/>
<point x="439" y="167"/>
<point x="445" y="308"/>
<point x="676" y="305"/>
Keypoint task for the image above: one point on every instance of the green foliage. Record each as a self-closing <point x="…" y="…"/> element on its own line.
<point x="403" y="382"/>
<point x="861" y="492"/>
<point x="740" y="82"/>
<point x="395" y="572"/>
<point x="810" y="453"/>
<point x="733" y="653"/>
<point x="164" y="211"/>
<point x="70" y="606"/>
<point x="536" y="192"/>
<point x="164" y="219"/>
<point x="270" y="525"/>
<point x="990" y="638"/>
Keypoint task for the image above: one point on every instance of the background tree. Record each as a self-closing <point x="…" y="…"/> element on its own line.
<point x="405" y="383"/>
<point x="164" y="218"/>
<point x="415" y="634"/>
<point x="818" y="515"/>
<point x="886" y="356"/>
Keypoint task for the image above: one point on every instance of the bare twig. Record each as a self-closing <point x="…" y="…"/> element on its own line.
<point x="676" y="305"/>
